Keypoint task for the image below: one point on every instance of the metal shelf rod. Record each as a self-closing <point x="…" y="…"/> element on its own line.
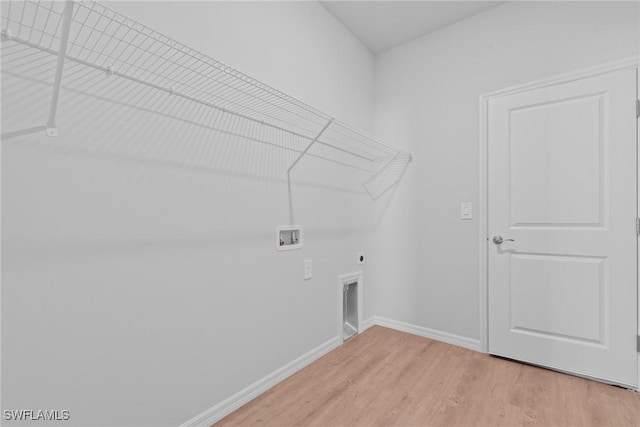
<point x="62" y="53"/>
<point x="309" y="146"/>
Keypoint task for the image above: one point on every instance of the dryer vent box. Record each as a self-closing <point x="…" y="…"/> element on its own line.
<point x="288" y="237"/>
<point x="350" y="324"/>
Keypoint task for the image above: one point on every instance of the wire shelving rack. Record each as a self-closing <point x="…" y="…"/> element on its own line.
<point x="89" y="34"/>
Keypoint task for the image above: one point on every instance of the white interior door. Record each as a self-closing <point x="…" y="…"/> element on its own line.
<point x="562" y="185"/>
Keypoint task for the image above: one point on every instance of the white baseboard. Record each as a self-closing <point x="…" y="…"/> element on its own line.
<point x="423" y="332"/>
<point x="367" y="324"/>
<point x="242" y="397"/>
<point x="227" y="406"/>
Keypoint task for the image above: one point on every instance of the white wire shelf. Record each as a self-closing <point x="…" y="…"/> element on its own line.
<point x="91" y="35"/>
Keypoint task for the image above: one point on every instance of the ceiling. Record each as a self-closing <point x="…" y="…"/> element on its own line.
<point x="381" y="25"/>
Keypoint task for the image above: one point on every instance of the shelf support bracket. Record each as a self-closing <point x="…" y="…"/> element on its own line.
<point x="67" y="17"/>
<point x="309" y="146"/>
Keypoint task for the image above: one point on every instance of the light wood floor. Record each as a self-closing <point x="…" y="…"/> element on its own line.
<point x="388" y="378"/>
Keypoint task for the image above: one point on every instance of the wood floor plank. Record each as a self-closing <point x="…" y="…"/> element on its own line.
<point x="385" y="378"/>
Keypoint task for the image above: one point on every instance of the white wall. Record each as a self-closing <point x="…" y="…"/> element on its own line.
<point x="140" y="281"/>
<point x="140" y="285"/>
<point x="427" y="100"/>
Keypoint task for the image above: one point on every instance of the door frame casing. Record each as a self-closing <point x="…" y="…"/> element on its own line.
<point x="483" y="237"/>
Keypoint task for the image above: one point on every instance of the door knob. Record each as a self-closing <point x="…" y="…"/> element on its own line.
<point x="498" y="240"/>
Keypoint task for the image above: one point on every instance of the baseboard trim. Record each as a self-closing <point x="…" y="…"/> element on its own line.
<point x="227" y="406"/>
<point x="433" y="334"/>
<point x="367" y="324"/>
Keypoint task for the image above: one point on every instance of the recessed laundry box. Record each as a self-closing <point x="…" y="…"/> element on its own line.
<point x="350" y="323"/>
<point x="350" y="299"/>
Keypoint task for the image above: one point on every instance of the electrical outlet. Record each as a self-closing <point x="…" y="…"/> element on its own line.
<point x="308" y="269"/>
<point x="360" y="258"/>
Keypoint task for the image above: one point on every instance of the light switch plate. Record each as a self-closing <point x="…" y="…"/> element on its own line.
<point x="308" y="269"/>
<point x="466" y="210"/>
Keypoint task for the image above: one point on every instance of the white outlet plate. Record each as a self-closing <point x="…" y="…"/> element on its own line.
<point x="466" y="210"/>
<point x="308" y="269"/>
<point x="361" y="258"/>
